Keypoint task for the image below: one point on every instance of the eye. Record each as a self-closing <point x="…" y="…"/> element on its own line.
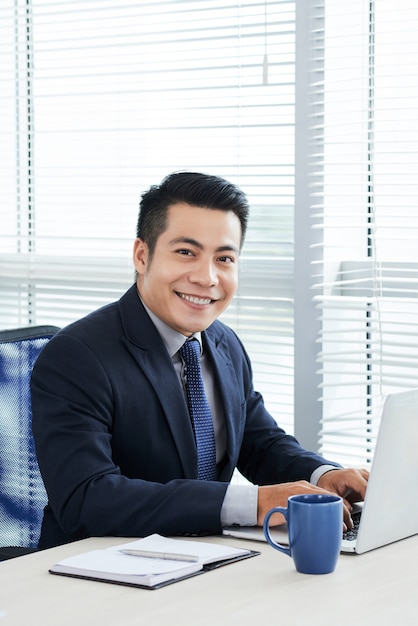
<point x="226" y="259"/>
<point x="184" y="252"/>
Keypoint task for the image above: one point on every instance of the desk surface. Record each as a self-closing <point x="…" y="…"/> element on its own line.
<point x="379" y="587"/>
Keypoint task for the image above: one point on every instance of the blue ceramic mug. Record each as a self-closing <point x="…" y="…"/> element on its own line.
<point x="315" y="526"/>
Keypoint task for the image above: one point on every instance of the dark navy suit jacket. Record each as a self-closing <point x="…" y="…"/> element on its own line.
<point x="113" y="436"/>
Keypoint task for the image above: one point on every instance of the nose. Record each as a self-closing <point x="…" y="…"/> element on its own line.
<point x="204" y="273"/>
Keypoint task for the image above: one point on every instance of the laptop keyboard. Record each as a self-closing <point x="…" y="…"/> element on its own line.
<point x="351" y="535"/>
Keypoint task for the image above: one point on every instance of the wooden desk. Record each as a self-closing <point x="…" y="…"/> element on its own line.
<point x="380" y="587"/>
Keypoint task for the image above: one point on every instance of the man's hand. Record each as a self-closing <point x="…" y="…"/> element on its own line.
<point x="350" y="484"/>
<point x="270" y="496"/>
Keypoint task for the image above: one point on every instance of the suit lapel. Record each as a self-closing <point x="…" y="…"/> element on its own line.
<point x="147" y="348"/>
<point x="217" y="348"/>
<point x="158" y="368"/>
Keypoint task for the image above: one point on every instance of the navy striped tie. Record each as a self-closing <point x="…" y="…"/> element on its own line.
<point x="199" y="411"/>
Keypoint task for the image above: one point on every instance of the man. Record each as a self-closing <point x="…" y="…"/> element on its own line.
<point x="113" y="433"/>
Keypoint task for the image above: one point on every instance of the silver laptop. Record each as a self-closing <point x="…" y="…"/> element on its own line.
<point x="390" y="510"/>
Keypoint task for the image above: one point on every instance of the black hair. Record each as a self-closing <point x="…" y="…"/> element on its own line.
<point x="193" y="188"/>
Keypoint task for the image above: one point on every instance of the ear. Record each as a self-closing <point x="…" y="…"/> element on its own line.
<point x="140" y="256"/>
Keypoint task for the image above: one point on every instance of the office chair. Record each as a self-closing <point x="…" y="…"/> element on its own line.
<point x="22" y="492"/>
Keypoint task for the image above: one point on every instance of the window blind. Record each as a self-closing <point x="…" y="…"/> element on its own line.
<point x="99" y="100"/>
<point x="364" y="203"/>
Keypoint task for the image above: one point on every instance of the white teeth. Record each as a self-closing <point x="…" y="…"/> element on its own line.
<point x="195" y="300"/>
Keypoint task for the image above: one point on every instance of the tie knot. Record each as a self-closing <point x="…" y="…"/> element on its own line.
<point x="190" y="351"/>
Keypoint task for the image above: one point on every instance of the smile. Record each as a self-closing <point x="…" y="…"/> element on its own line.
<point x="194" y="299"/>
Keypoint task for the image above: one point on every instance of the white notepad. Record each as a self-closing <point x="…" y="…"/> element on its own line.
<point x="112" y="565"/>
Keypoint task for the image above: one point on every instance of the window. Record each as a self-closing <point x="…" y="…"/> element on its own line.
<point x="310" y="106"/>
<point x="364" y="203"/>
<point x="99" y="100"/>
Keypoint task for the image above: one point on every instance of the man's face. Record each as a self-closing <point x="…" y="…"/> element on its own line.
<point x="193" y="273"/>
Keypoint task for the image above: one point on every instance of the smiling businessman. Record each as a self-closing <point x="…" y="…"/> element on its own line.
<point x="114" y="436"/>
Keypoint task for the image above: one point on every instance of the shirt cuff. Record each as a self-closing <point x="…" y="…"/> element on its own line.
<point x="320" y="471"/>
<point x="240" y="506"/>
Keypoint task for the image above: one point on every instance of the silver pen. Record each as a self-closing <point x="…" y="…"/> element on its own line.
<point x="167" y="556"/>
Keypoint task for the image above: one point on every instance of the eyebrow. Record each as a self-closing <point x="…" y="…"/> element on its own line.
<point x="197" y="244"/>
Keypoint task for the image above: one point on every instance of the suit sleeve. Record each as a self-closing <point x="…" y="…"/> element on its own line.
<point x="268" y="455"/>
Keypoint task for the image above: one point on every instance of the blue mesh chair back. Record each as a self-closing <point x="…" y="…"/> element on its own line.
<point x="22" y="492"/>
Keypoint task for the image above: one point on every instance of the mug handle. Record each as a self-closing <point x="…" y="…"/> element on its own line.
<point x="266" y="529"/>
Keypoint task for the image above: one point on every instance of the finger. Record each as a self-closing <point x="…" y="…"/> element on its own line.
<point x="348" y="523"/>
<point x="365" y="473"/>
<point x="348" y="505"/>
